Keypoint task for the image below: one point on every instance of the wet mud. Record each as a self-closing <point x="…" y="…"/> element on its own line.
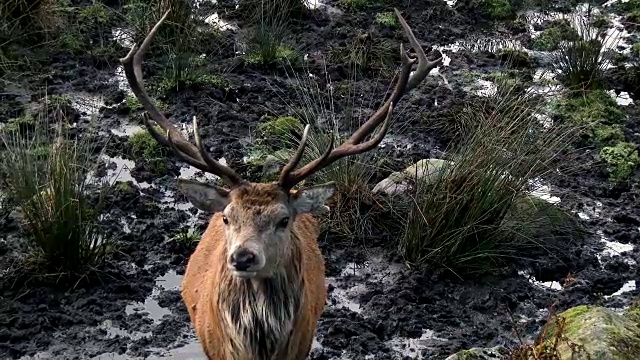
<point x="377" y="307"/>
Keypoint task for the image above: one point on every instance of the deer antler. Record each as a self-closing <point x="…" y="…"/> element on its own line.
<point x="195" y="156"/>
<point x="355" y="145"/>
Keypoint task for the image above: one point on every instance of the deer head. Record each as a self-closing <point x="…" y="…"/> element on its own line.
<point x="258" y="217"/>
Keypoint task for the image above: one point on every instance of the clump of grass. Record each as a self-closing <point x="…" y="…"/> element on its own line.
<point x="20" y="18"/>
<point x="582" y="62"/>
<point x="461" y="218"/>
<point x="622" y="160"/>
<point x="178" y="29"/>
<point x="187" y="236"/>
<point x="266" y="45"/>
<point x="46" y="175"/>
<point x="183" y="70"/>
<point x="355" y="212"/>
<point x="366" y="53"/>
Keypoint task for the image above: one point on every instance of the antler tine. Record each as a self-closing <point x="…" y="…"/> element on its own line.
<point x="286" y="181"/>
<point x="226" y="173"/>
<point x="193" y="155"/>
<point x="355" y="145"/>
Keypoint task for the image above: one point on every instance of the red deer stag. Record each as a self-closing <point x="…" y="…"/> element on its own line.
<point x="255" y="285"/>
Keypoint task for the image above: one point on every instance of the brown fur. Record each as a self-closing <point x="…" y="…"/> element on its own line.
<point x="214" y="297"/>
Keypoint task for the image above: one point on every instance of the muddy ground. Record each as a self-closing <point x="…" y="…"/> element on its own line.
<point x="377" y="308"/>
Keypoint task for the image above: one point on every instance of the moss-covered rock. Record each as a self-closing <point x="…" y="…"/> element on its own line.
<point x="622" y="160"/>
<point x="599" y="332"/>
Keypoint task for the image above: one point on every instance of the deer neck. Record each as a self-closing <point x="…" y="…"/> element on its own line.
<point x="259" y="313"/>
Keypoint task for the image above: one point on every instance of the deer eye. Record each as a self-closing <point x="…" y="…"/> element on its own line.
<point x="283" y="223"/>
<point x="225" y="220"/>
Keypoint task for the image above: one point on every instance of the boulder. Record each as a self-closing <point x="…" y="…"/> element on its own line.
<point x="426" y="170"/>
<point x="603" y="334"/>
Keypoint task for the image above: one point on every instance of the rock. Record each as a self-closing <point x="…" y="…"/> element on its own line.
<point x="604" y="334"/>
<point x="494" y="353"/>
<point x="426" y="170"/>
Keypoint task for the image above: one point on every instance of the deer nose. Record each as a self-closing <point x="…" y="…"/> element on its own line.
<point x="243" y="260"/>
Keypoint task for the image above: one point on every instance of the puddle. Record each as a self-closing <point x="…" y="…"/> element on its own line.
<point x="122" y="172"/>
<point x="321" y="5"/>
<point x="613" y="248"/>
<point x="127" y="130"/>
<point x="623" y="99"/>
<point x="627" y="287"/>
<point x="542" y="191"/>
<point x="375" y="269"/>
<point x="169" y="281"/>
<point x="553" y="285"/>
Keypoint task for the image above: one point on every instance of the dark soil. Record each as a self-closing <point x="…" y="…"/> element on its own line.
<point x="430" y="313"/>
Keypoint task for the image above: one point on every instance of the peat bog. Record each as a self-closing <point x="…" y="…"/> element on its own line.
<point x="378" y="308"/>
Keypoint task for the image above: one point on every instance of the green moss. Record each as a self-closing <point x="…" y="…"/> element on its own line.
<point x="608" y="134"/>
<point x="278" y="128"/>
<point x="551" y="37"/>
<point x="71" y="41"/>
<point x="498" y="9"/>
<point x="97" y="13"/>
<point x="621" y="159"/>
<point x="354" y="5"/>
<point x="468" y="355"/>
<point x="387" y="19"/>
<point x="590" y="108"/>
<point x="145" y="146"/>
<point x="132" y="103"/>
<point x="283" y="54"/>
<point x="125" y="188"/>
<point x="633" y="312"/>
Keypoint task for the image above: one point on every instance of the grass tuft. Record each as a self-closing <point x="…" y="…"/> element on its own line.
<point x="582" y="61"/>
<point x="46" y="174"/>
<point x="462" y="218"/>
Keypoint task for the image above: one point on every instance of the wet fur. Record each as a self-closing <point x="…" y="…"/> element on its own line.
<point x="270" y="318"/>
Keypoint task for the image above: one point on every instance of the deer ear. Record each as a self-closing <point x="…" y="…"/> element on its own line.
<point x="312" y="199"/>
<point x="203" y="196"/>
